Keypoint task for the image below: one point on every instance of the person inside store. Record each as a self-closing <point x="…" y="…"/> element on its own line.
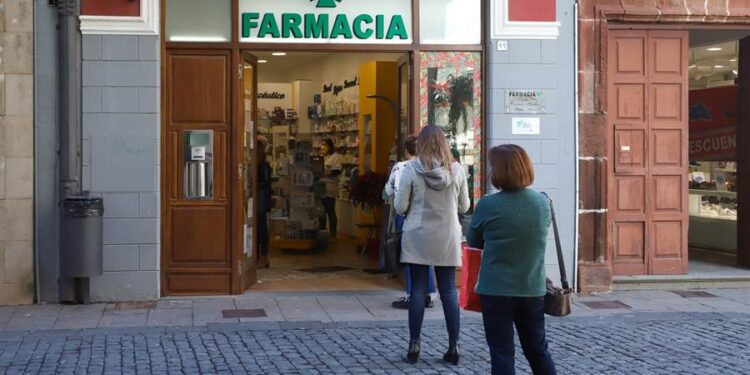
<point x="432" y="190"/>
<point x="410" y="145"/>
<point x="511" y="226"/>
<point x="264" y="200"/>
<point x="332" y="165"/>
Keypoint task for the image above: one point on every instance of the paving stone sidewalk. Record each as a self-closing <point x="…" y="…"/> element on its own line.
<point x="327" y="307"/>
<point x="652" y="343"/>
<point x="655" y="332"/>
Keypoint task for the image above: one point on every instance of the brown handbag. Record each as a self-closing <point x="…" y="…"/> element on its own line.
<point x="557" y="300"/>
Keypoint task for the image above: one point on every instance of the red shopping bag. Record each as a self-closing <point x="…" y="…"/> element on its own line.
<point x="472" y="260"/>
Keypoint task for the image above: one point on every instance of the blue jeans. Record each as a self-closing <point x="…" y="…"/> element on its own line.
<point x="527" y="314"/>
<point x="446" y="281"/>
<point x="407" y="274"/>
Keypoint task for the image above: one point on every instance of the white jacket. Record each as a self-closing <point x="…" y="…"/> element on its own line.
<point x="431" y="201"/>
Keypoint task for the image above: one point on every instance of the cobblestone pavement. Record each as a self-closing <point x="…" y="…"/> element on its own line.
<point x="644" y="343"/>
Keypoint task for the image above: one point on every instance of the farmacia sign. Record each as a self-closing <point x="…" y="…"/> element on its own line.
<point x="326" y="21"/>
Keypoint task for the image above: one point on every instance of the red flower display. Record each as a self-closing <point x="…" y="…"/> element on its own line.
<point x="366" y="192"/>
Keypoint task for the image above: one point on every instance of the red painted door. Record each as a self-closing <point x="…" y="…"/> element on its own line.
<point x="648" y="158"/>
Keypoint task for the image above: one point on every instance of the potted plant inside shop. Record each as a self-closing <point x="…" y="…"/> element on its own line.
<point x="366" y="192"/>
<point x="462" y="95"/>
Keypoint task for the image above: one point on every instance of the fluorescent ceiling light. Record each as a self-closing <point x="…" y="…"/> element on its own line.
<point x="713" y="49"/>
<point x="735" y="72"/>
<point x="196" y="38"/>
<point x="718" y="66"/>
<point x="262" y="61"/>
<point x="279" y="54"/>
<point x="692" y="66"/>
<point x="733" y="60"/>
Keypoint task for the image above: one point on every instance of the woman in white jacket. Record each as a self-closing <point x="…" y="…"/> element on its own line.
<point x="410" y="145"/>
<point x="431" y="194"/>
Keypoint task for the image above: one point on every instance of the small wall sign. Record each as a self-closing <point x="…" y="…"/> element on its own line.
<point x="525" y="101"/>
<point x="526" y="126"/>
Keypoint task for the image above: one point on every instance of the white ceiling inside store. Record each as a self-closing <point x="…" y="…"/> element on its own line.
<point x="280" y="64"/>
<point x="713" y="57"/>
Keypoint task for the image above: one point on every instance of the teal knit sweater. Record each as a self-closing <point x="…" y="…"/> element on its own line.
<point x="512" y="229"/>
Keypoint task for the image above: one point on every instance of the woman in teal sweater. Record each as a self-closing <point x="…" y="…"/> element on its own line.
<point x="511" y="226"/>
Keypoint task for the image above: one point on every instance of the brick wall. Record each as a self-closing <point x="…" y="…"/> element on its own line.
<point x="121" y="160"/>
<point x="16" y="152"/>
<point x="595" y="273"/>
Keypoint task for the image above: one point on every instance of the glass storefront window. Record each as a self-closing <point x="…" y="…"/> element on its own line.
<point x="450" y="90"/>
<point x="450" y="22"/>
<point x="199" y="20"/>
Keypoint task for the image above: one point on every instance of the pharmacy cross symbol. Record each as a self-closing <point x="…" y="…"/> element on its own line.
<point x="326" y="3"/>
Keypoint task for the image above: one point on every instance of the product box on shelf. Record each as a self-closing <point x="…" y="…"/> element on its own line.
<point x="304" y="178"/>
<point x="299" y="214"/>
<point x="278" y="227"/>
<point x="302" y="200"/>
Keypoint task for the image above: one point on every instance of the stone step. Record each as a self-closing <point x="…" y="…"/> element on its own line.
<point x="680" y="282"/>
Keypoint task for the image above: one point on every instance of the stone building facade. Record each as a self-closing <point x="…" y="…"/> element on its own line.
<point x="16" y="152"/>
<point x="596" y="17"/>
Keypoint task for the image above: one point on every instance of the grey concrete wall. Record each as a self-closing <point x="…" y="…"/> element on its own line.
<point x="548" y="65"/>
<point x="121" y="131"/>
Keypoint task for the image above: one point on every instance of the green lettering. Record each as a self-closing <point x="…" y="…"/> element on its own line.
<point x="269" y="26"/>
<point x="341" y="27"/>
<point x="397" y="28"/>
<point x="290" y="25"/>
<point x="316" y="27"/>
<point x="249" y="22"/>
<point x="379" y="23"/>
<point x="358" y="31"/>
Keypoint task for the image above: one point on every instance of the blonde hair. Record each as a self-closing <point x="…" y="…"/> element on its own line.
<point x="432" y="145"/>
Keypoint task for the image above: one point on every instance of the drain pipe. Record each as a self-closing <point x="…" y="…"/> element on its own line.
<point x="576" y="120"/>
<point x="70" y="97"/>
<point x="70" y="134"/>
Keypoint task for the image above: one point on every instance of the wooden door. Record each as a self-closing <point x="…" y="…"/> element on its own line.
<point x="405" y="81"/>
<point x="196" y="232"/>
<point x="648" y="151"/>
<point x="246" y="187"/>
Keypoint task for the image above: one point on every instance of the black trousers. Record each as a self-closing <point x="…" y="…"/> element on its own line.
<point x="329" y="204"/>
<point x="500" y="314"/>
<point x="263" y="236"/>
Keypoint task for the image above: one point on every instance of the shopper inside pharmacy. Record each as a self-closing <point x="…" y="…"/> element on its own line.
<point x="332" y="169"/>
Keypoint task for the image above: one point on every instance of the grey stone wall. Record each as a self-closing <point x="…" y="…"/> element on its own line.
<point x="121" y="132"/>
<point x="548" y="65"/>
<point x="16" y="152"/>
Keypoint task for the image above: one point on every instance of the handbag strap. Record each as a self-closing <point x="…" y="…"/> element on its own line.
<point x="560" y="259"/>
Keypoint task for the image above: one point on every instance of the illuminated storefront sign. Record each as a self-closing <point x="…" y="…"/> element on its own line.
<point x="326" y="21"/>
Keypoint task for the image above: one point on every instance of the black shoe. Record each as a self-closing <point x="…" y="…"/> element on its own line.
<point x="453" y="355"/>
<point x="402" y="303"/>
<point x="429" y="303"/>
<point x="413" y="355"/>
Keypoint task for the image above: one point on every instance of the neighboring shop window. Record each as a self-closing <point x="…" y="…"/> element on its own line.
<point x="199" y="20"/>
<point x="450" y="22"/>
<point x="120" y="8"/>
<point x="450" y="90"/>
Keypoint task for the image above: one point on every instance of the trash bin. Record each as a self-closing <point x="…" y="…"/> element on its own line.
<point x="81" y="255"/>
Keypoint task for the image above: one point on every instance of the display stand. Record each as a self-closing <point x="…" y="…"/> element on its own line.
<point x="299" y="229"/>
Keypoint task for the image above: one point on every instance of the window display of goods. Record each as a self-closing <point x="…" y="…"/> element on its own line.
<point x="708" y="209"/>
<point x="346" y="123"/>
